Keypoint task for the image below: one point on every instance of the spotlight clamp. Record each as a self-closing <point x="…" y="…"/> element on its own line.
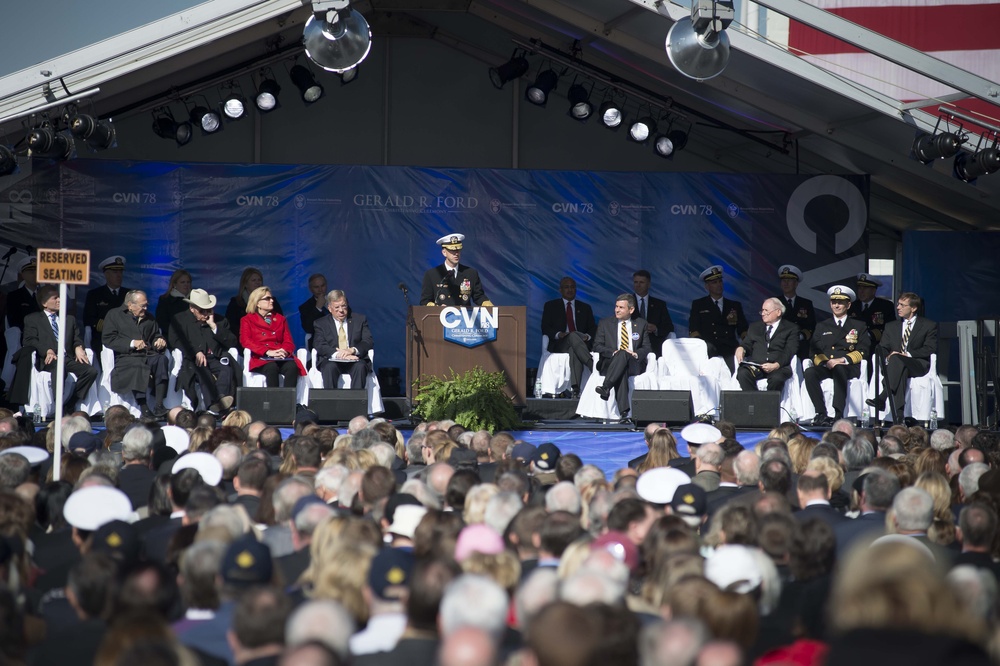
<point x="336" y="37"/>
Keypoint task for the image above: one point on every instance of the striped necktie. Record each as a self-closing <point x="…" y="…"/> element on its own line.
<point x="623" y="337"/>
<point x="906" y="335"/>
<point x="55" y="324"/>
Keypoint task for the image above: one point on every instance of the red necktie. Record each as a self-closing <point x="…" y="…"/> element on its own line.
<point x="570" y="326"/>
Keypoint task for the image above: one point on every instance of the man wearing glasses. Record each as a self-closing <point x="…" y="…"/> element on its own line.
<point x="204" y="342"/>
<point x="767" y="349"/>
<point x="134" y="336"/>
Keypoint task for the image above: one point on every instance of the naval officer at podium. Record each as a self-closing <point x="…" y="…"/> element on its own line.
<point x="453" y="283"/>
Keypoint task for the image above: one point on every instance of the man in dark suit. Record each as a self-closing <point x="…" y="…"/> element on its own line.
<point x="103" y="299"/>
<point x="315" y="307"/>
<point x="813" y="490"/>
<point x="342" y="342"/>
<point x="798" y="310"/>
<point x="907" y="348"/>
<point x="136" y="476"/>
<point x="134" y="336"/>
<point x="571" y="327"/>
<point x="452" y="283"/>
<point x="204" y="342"/>
<point x="839" y="346"/>
<point x="41" y="335"/>
<point x="876" y="491"/>
<point x="653" y="310"/>
<point x="718" y="321"/>
<point x="622" y="345"/>
<point x="21" y="302"/>
<point x="770" y="344"/>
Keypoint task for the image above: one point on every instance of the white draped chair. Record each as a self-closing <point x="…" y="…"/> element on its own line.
<point x="257" y="380"/>
<point x="174" y="397"/>
<point x="42" y="391"/>
<point x="315" y="381"/>
<point x="591" y="405"/>
<point x="791" y="393"/>
<point x="922" y="395"/>
<point x="684" y="365"/>
<point x="554" y="371"/>
<point x="857" y="393"/>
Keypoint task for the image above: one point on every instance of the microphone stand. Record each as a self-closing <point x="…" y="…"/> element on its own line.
<point x="416" y="341"/>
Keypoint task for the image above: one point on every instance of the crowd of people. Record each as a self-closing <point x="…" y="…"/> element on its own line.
<point x="199" y="543"/>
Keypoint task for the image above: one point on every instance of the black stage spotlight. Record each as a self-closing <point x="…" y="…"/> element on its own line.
<point x="336" y="37"/>
<point x="234" y="106"/>
<point x="99" y="134"/>
<point x="46" y="142"/>
<point x="642" y="129"/>
<point x="611" y="114"/>
<point x="928" y="147"/>
<point x="580" y="107"/>
<point x="663" y="145"/>
<point x="165" y="127"/>
<point x="514" y="68"/>
<point x="209" y="121"/>
<point x="267" y="95"/>
<point x="538" y="92"/>
<point x="8" y="161"/>
<point x="981" y="163"/>
<point x="306" y="83"/>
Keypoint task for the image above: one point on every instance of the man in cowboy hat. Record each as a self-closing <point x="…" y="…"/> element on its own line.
<point x="100" y="300"/>
<point x="839" y="346"/>
<point x="204" y="342"/>
<point x="452" y="283"/>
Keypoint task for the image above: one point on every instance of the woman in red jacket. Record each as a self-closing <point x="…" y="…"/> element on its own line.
<point x="264" y="333"/>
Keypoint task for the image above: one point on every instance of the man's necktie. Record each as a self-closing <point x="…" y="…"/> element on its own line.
<point x="623" y="337"/>
<point x="570" y="324"/>
<point x="454" y="273"/>
<point x="769" y="327"/>
<point x="341" y="336"/>
<point x="840" y="324"/>
<point x="906" y="335"/>
<point x="54" y="318"/>
<point x="718" y="304"/>
<point x="790" y="302"/>
<point x="642" y="307"/>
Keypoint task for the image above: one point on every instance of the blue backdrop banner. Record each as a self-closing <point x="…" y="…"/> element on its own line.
<point x="368" y="229"/>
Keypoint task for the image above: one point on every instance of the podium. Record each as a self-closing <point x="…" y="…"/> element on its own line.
<point x="429" y="353"/>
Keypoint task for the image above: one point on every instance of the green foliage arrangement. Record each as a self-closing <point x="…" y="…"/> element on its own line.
<point x="475" y="400"/>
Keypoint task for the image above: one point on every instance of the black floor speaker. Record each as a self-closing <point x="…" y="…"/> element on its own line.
<point x="333" y="405"/>
<point x="752" y="409"/>
<point x="661" y="406"/>
<point x="270" y="405"/>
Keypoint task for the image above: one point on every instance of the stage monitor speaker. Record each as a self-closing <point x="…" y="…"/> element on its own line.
<point x="661" y="406"/>
<point x="752" y="409"/>
<point x="270" y="405"/>
<point x="332" y="405"/>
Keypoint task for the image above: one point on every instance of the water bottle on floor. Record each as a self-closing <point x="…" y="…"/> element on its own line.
<point x="865" y="418"/>
<point x="36" y="413"/>
<point x="934" y="419"/>
<point x="538" y="388"/>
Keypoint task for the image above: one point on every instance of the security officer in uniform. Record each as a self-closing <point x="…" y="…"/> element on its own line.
<point x="718" y="321"/>
<point x="452" y="283"/>
<point x="875" y="312"/>
<point x="102" y="299"/>
<point x="798" y="310"/>
<point x="839" y="345"/>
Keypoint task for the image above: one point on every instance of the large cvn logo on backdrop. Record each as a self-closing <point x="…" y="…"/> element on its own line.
<point x="835" y="186"/>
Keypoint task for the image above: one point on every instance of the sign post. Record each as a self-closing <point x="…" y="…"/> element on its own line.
<point x="62" y="267"/>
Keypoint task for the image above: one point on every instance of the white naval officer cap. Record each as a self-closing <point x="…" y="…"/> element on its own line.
<point x="93" y="506"/>
<point x="700" y="433"/>
<point x="659" y="484"/>
<point x="451" y="241"/>
<point x="711" y="273"/>
<point x="868" y="280"/>
<point x="25" y="264"/>
<point x="207" y="465"/>
<point x="115" y="263"/>
<point x="839" y="292"/>
<point x="789" y="271"/>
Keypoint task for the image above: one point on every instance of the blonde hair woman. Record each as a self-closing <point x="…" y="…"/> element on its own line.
<point x="265" y="334"/>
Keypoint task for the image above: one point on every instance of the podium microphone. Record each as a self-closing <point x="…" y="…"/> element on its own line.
<point x="402" y="288"/>
<point x="9" y="254"/>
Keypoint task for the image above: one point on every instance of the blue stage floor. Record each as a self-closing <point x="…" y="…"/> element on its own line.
<point x="611" y="450"/>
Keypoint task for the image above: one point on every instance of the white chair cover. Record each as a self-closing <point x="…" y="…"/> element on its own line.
<point x="591" y="406"/>
<point x="685" y="366"/>
<point x="315" y="380"/>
